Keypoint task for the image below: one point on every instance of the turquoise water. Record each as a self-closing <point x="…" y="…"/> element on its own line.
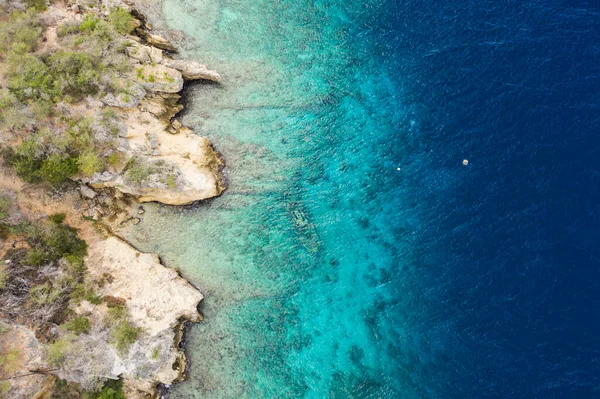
<point x="292" y="258"/>
<point x="353" y="255"/>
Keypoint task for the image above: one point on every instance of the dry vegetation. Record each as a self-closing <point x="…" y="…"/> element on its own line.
<point x="47" y="139"/>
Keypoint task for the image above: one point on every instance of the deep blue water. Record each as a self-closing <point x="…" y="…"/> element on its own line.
<point x="328" y="272"/>
<point x="509" y="245"/>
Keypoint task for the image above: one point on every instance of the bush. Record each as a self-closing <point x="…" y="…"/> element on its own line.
<point x="57" y="169"/>
<point x="57" y="218"/>
<point x="62" y="240"/>
<point x="35" y="257"/>
<point x="56" y="241"/>
<point x="79" y="325"/>
<point x="28" y="77"/>
<point x="112" y="389"/>
<point x="138" y="171"/>
<point x="5" y="205"/>
<point x="125" y="335"/>
<point x="46" y="294"/>
<point x="26" y="160"/>
<point x="170" y="180"/>
<point x="34" y="166"/>
<point x="3" y="276"/>
<point x="121" y="20"/>
<point x="14" y="113"/>
<point x="89" y="24"/>
<point x="4" y="387"/>
<point x="90" y="163"/>
<point x="9" y="363"/>
<point x="57" y="351"/>
<point x="114" y="158"/>
<point x="65" y="73"/>
<point x="122" y="332"/>
<point x="38" y="5"/>
<point x="21" y="33"/>
<point x="67" y="29"/>
<point x="74" y="73"/>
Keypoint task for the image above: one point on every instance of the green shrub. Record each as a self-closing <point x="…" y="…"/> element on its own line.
<point x="115" y="315"/>
<point x="124" y="335"/>
<point x="5" y="205"/>
<point x="170" y="180"/>
<point x="74" y="73"/>
<point x="46" y="294"/>
<point x="3" y="276"/>
<point x="4" y="387"/>
<point x="65" y="73"/>
<point x="33" y="166"/>
<point x="35" y="257"/>
<point x="14" y="113"/>
<point x="21" y="33"/>
<point x="114" y="158"/>
<point x="57" y="168"/>
<point x="57" y="351"/>
<point x="138" y="171"/>
<point x="57" y="218"/>
<point x="62" y="240"/>
<point x="112" y="389"/>
<point x="38" y="5"/>
<point x="90" y="163"/>
<point x="79" y="325"/>
<point x="28" y="77"/>
<point x="89" y="24"/>
<point x="26" y="160"/>
<point x="67" y="29"/>
<point x="121" y="20"/>
<point x="93" y="298"/>
<point x="122" y="332"/>
<point x="10" y="361"/>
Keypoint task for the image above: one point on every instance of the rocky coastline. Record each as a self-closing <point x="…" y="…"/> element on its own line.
<point x="159" y="160"/>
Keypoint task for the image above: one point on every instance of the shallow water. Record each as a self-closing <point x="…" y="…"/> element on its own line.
<point x="353" y="255"/>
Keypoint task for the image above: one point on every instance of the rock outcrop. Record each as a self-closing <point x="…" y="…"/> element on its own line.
<point x="158" y="159"/>
<point x="157" y="300"/>
<point x="172" y="164"/>
<point x="181" y="166"/>
<point x="193" y="70"/>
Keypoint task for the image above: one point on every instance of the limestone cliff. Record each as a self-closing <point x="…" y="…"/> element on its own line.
<point x="156" y="159"/>
<point x="154" y="298"/>
<point x="173" y="164"/>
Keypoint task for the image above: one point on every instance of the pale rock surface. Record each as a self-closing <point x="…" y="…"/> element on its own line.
<point x="159" y="78"/>
<point x="157" y="300"/>
<point x="192" y="70"/>
<point x="30" y="356"/>
<point x="157" y="297"/>
<point x="156" y="40"/>
<point x="188" y="158"/>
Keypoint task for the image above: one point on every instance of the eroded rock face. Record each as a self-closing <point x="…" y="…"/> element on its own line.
<point x="156" y="299"/>
<point x="156" y="296"/>
<point x="192" y="70"/>
<point x="176" y="169"/>
<point x="156" y="40"/>
<point x="160" y="161"/>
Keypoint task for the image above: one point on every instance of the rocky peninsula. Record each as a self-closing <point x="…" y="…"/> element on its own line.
<point x="89" y="96"/>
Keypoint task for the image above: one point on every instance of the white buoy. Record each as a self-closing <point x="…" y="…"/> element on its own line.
<point x="465" y="162"/>
<point x="397" y="168"/>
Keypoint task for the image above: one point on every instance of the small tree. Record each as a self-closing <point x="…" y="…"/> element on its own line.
<point x="121" y="20"/>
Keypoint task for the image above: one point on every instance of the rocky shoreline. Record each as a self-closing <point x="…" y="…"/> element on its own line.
<point x="178" y="167"/>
